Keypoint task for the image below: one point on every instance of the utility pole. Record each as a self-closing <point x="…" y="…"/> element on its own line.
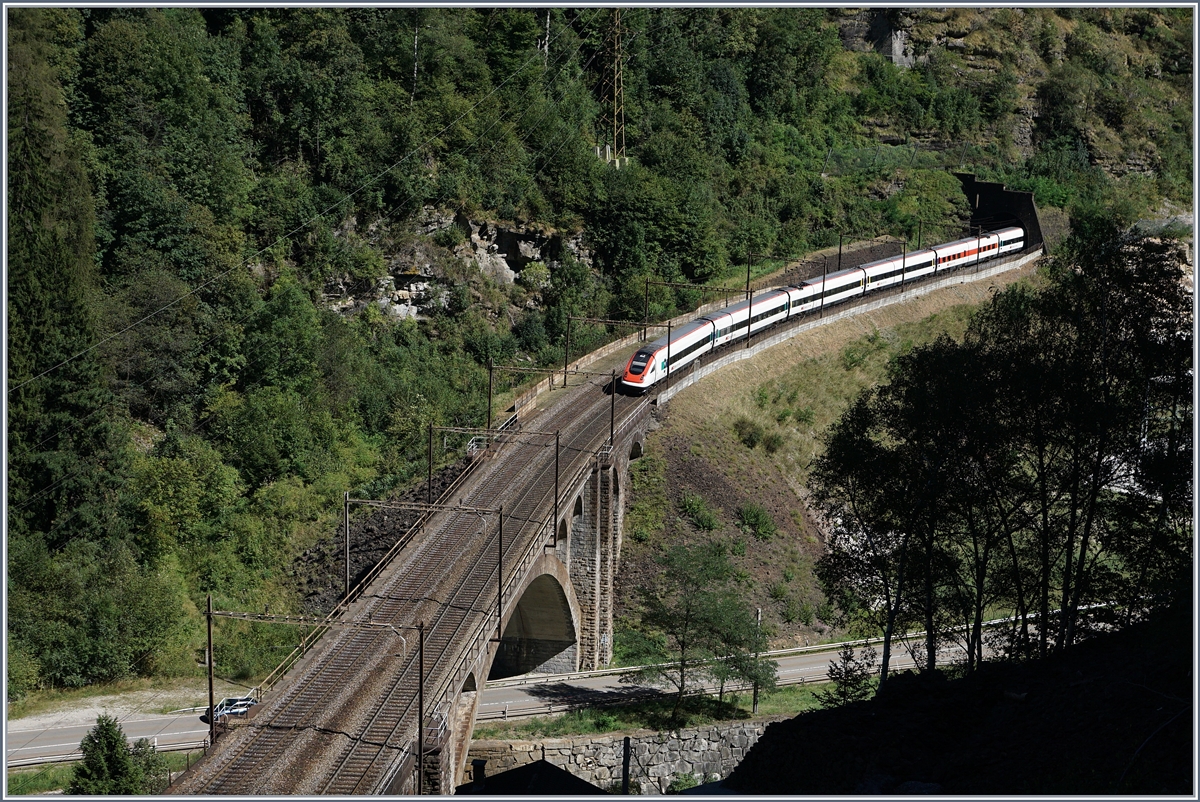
<point x="625" y="768"/>
<point x="754" y="709"/>
<point x="668" y="384"/>
<point x="212" y="719"/>
<point x="489" y="418"/>
<point x="500" y="582"/>
<point x="346" y="523"/>
<point x="416" y="30"/>
<point x="646" y="313"/>
<point x="749" y="318"/>
<point x="750" y="297"/>
<point x="556" y="490"/>
<point x="567" y="352"/>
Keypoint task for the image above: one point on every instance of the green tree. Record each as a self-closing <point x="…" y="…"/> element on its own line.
<point x="1034" y="465"/>
<point x="58" y="469"/>
<point x="156" y="773"/>
<point x="850" y="678"/>
<point x="693" y="605"/>
<point x="108" y="766"/>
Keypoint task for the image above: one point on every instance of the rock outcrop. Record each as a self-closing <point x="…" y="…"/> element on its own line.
<point x="499" y="251"/>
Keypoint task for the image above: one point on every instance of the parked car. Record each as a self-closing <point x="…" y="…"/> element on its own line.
<point x="230" y="706"/>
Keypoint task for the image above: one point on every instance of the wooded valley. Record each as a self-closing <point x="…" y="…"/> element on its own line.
<point x="191" y="191"/>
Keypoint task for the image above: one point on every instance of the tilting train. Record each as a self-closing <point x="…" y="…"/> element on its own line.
<point x="689" y="342"/>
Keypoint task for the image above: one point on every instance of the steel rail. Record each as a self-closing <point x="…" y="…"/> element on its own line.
<point x="569" y="414"/>
<point x="470" y="655"/>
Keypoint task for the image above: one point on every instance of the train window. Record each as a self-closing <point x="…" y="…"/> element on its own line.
<point x="639" y="362"/>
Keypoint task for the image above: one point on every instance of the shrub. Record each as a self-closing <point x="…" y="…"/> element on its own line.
<point x="791" y="610"/>
<point x="805" y="416"/>
<point x="605" y="722"/>
<point x="761" y="397"/>
<point x="535" y="276"/>
<point x="450" y="237"/>
<point x="682" y="783"/>
<point x="24" y="670"/>
<point x="773" y="442"/>
<point x="825" y="611"/>
<point x="749" y="432"/>
<point x="697" y="511"/>
<point x="755" y="520"/>
<point x="783" y="414"/>
<point x="107" y="766"/>
<point x="778" y="591"/>
<point x="851" y="676"/>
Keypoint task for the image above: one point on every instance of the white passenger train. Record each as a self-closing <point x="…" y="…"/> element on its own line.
<point x="652" y="362"/>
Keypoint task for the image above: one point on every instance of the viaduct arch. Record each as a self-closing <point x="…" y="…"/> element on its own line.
<point x="559" y="586"/>
<point x="561" y="619"/>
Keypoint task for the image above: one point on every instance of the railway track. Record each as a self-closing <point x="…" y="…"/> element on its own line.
<point x="349" y="716"/>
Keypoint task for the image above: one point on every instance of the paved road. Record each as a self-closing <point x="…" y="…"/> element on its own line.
<point x="531" y="696"/>
<point x="510" y="698"/>
<point x="26" y="746"/>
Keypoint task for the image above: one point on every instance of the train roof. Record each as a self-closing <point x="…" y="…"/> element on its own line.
<point x="774" y="292"/>
<point x="676" y="333"/>
<point x="839" y="274"/>
<point x="908" y="256"/>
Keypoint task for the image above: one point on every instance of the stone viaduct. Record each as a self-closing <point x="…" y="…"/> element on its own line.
<point x="553" y="608"/>
<point x="558" y="612"/>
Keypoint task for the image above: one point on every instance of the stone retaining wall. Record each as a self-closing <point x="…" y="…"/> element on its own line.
<point x="706" y="753"/>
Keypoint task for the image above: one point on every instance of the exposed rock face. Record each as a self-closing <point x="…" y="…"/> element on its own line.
<point x="502" y="250"/>
<point x="401" y="293"/>
<point x="883" y="30"/>
<point x="499" y="250"/>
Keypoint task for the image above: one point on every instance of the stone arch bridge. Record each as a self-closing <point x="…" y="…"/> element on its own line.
<point x="345" y="717"/>
<point x="375" y="708"/>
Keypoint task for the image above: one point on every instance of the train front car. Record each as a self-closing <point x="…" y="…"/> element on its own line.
<point x="642" y="370"/>
<point x="652" y="362"/>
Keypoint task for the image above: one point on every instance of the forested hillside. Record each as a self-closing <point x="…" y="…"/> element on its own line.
<point x="192" y="190"/>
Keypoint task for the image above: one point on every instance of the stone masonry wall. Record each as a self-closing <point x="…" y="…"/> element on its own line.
<point x="584" y="565"/>
<point x="656" y="759"/>
<point x="607" y="563"/>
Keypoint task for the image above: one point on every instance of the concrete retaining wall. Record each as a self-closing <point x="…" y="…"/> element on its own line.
<point x="656" y="758"/>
